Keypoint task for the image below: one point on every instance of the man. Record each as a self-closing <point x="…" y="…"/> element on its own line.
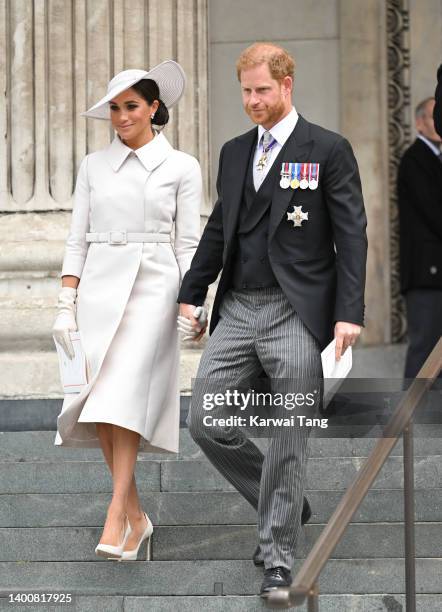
<point x="437" y="111"/>
<point x="288" y="191"/>
<point x="419" y="188"/>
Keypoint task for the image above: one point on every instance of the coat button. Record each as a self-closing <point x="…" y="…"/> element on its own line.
<point x="244" y="259"/>
<point x="244" y="285"/>
<point x="433" y="270"/>
<point x="262" y="260"/>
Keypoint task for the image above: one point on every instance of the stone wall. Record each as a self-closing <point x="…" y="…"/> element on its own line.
<point x="309" y="30"/>
<point x="340" y="83"/>
<point x="56" y="58"/>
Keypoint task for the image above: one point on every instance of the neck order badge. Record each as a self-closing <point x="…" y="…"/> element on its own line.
<point x="268" y="142"/>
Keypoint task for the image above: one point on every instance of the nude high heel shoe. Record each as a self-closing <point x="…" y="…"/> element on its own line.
<point x="131" y="555"/>
<point x="114" y="552"/>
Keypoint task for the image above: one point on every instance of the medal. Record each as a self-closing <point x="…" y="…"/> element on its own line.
<point x="313" y="176"/>
<point x="285" y="176"/>
<point x="266" y="148"/>
<point x="294" y="183"/>
<point x="284" y="182"/>
<point x="303" y="183"/>
<point x="297" y="216"/>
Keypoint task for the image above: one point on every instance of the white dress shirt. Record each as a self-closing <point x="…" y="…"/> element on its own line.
<point x="280" y="132"/>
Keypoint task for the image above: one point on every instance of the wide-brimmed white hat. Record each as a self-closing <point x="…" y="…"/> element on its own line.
<point x="169" y="76"/>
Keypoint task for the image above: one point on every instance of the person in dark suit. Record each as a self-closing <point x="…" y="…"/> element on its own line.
<point x="288" y="232"/>
<point x="437" y="111"/>
<point x="419" y="189"/>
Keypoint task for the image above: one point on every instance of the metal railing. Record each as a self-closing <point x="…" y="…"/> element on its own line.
<point x="305" y="584"/>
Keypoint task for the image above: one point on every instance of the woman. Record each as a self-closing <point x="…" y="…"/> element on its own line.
<point x="127" y="198"/>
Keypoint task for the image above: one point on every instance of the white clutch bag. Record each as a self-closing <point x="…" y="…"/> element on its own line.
<point x="73" y="372"/>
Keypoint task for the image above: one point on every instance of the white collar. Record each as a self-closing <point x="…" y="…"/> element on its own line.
<point x="430" y="144"/>
<point x="281" y="130"/>
<point x="150" y="155"/>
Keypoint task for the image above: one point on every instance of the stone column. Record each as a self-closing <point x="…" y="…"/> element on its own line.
<point x="425" y="48"/>
<point x="56" y="57"/>
<point x="364" y="121"/>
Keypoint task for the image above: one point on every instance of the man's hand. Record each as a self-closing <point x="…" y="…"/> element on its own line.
<point x="192" y="321"/>
<point x="346" y="335"/>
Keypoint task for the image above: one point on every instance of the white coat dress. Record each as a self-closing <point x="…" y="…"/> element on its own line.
<point x="126" y="301"/>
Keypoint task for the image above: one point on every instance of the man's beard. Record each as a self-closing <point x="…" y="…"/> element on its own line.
<point x="272" y="113"/>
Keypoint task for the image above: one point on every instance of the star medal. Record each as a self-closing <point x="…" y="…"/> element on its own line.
<point x="297" y="216"/>
<point x="294" y="183"/>
<point x="285" y="176"/>
<point x="303" y="183"/>
<point x="313" y="176"/>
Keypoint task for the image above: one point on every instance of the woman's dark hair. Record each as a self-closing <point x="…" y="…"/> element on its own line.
<point x="148" y="89"/>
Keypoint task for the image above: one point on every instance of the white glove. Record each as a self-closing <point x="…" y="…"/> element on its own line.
<point x="185" y="325"/>
<point x="65" y="321"/>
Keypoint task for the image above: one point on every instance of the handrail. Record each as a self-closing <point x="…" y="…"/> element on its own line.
<point x="305" y="582"/>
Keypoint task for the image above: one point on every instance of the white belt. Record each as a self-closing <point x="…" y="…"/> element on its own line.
<point x="123" y="237"/>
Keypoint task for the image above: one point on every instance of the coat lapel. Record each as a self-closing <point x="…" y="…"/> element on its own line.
<point x="296" y="149"/>
<point x="234" y="176"/>
<point x="150" y="155"/>
<point x="154" y="153"/>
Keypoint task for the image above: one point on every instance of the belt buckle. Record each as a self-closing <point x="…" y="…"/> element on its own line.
<point x="118" y="237"/>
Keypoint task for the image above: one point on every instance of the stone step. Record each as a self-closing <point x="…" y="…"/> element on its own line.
<point x="93" y="476"/>
<point x="71" y="477"/>
<point x="199" y="508"/>
<point x="230" y="603"/>
<point x="36" y="414"/>
<point x="29" y="373"/>
<point x="39" y="446"/>
<point x="321" y="474"/>
<point x="211" y="542"/>
<point x="232" y="577"/>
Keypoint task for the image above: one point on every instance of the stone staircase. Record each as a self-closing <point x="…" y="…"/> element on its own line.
<point x="53" y="503"/>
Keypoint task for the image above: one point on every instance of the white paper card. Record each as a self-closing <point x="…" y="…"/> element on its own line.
<point x="333" y="369"/>
<point x="72" y="371"/>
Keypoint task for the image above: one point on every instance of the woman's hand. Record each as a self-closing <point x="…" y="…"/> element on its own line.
<point x="65" y="321"/>
<point x="192" y="321"/>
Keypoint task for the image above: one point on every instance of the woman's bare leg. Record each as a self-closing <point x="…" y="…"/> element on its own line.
<point x="120" y="448"/>
<point x="105" y="435"/>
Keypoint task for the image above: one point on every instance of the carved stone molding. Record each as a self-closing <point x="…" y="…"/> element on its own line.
<point x="56" y="58"/>
<point x="399" y="136"/>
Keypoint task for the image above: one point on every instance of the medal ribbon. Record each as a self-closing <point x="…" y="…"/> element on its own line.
<point x="314" y="172"/>
<point x="262" y="162"/>
<point x="269" y="147"/>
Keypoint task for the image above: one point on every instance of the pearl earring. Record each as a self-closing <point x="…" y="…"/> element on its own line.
<point x="152" y="115"/>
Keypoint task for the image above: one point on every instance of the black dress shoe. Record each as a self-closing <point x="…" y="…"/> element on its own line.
<point x="257" y="558"/>
<point x="305" y="517"/>
<point x="275" y="577"/>
<point x="306" y="512"/>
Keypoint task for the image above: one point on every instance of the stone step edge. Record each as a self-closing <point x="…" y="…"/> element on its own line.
<point x="226" y="525"/>
<point x="203" y="460"/>
<point x="206" y="561"/>
<point x="203" y="491"/>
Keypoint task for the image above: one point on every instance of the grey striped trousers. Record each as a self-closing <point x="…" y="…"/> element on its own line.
<point x="259" y="329"/>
